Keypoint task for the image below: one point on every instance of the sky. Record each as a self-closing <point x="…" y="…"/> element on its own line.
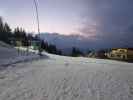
<point x="61" y="16"/>
<point x="98" y="20"/>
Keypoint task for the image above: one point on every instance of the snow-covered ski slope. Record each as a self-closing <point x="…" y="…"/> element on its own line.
<point x="67" y="78"/>
<point x="10" y="55"/>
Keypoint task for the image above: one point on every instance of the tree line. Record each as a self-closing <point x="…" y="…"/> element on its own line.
<point x="7" y="35"/>
<point x="12" y="37"/>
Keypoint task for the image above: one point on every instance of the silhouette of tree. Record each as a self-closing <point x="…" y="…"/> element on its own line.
<point x="76" y="52"/>
<point x="21" y="35"/>
<point x="5" y="31"/>
<point x="52" y="49"/>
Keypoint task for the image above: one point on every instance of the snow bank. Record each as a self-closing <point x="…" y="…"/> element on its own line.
<point x="10" y="55"/>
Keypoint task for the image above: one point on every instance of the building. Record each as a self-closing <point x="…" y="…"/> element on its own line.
<point x="120" y="54"/>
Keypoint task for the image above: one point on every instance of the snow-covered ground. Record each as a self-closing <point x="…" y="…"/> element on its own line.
<point x="67" y="78"/>
<point x="10" y="55"/>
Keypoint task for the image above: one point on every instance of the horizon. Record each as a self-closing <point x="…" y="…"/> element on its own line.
<point x="99" y="21"/>
<point x="52" y="18"/>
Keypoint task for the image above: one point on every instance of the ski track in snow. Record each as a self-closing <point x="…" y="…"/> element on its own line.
<point x="67" y="78"/>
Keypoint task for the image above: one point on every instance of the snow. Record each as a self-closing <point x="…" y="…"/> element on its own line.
<point x="10" y="55"/>
<point x="67" y="78"/>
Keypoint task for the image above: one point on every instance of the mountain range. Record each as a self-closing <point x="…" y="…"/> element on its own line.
<point x="66" y="42"/>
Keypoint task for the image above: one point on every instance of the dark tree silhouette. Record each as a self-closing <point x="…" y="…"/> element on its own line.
<point x="5" y="31"/>
<point x="52" y="49"/>
<point x="76" y="52"/>
<point x="21" y="35"/>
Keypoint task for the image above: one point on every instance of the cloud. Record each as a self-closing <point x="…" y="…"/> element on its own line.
<point x="111" y="22"/>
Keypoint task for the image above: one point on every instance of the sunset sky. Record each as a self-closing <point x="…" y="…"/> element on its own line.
<point x="62" y="16"/>
<point x="100" y="20"/>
